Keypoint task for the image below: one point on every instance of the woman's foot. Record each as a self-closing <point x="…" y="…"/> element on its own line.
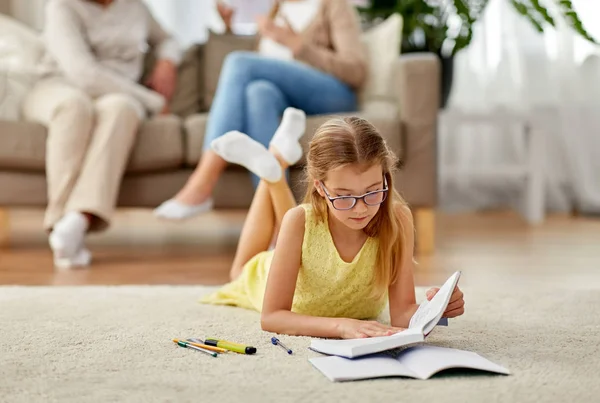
<point x="176" y="209"/>
<point x="67" y="241"/>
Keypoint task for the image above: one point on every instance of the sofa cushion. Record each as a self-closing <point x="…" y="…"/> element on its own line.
<point x="14" y="86"/>
<point x="193" y="129"/>
<point x="382" y="43"/>
<point x="383" y="115"/>
<point x="188" y="97"/>
<point x="217" y="47"/>
<point x="22" y="145"/>
<point x="20" y="44"/>
<point x="20" y="50"/>
<point x="159" y="145"/>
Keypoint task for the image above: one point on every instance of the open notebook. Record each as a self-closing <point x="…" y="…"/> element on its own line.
<point x="421" y="324"/>
<point x="420" y="362"/>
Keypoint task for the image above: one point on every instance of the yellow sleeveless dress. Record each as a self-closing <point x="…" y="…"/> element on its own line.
<point x="326" y="286"/>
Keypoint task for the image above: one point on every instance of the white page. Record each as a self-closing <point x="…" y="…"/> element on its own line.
<point x="339" y="369"/>
<point x="344" y="347"/>
<point x="430" y="312"/>
<point x="426" y="360"/>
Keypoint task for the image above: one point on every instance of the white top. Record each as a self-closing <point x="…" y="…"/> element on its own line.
<point x="101" y="50"/>
<point x="299" y="14"/>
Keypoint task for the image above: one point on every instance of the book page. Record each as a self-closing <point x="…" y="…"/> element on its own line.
<point x="339" y="369"/>
<point x="369" y="345"/>
<point x="427" y="360"/>
<point x="430" y="312"/>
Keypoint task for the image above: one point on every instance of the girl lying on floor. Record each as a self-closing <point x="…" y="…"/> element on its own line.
<point x="338" y="258"/>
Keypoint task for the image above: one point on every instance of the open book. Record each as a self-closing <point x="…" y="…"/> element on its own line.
<point x="421" y="324"/>
<point x="420" y="362"/>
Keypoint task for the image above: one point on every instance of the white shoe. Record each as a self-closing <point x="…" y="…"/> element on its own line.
<point x="175" y="210"/>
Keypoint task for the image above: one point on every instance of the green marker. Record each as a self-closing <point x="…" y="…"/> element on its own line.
<point x="227" y="345"/>
<point x="187" y="345"/>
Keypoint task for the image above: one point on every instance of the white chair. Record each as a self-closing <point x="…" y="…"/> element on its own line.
<point x="525" y="133"/>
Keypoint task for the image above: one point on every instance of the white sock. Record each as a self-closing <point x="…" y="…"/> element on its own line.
<point x="238" y="148"/>
<point x="66" y="239"/>
<point x="287" y="136"/>
<point x="173" y="209"/>
<point x="82" y="258"/>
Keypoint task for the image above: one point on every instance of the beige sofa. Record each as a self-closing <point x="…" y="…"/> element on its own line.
<point x="168" y="147"/>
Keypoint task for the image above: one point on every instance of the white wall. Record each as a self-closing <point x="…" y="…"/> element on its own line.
<point x="187" y="20"/>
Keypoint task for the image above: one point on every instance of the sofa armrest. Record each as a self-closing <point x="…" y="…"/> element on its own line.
<point x="417" y="83"/>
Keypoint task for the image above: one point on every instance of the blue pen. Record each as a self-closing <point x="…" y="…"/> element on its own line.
<point x="276" y="341"/>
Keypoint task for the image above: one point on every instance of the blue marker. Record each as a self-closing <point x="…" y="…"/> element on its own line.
<point x="276" y="342"/>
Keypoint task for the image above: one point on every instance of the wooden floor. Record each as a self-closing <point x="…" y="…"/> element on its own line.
<point x="488" y="248"/>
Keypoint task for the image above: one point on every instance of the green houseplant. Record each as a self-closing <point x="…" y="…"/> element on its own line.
<point x="445" y="27"/>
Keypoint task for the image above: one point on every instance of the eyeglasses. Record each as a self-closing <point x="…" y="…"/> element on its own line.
<point x="348" y="202"/>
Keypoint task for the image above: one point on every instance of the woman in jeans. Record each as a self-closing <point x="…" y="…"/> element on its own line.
<point x="310" y="61"/>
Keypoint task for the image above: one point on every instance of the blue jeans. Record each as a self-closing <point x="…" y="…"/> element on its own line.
<point x="253" y="91"/>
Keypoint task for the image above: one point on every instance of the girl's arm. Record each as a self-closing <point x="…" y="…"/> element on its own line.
<point x="279" y="293"/>
<point x="402" y="293"/>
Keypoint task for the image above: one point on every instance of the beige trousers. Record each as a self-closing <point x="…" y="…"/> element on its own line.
<point x="87" y="149"/>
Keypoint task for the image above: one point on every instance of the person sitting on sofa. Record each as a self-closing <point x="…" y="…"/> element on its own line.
<point x="89" y="98"/>
<point x="309" y="58"/>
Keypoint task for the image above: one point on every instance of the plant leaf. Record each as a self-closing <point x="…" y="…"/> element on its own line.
<point x="525" y="12"/>
<point x="543" y="11"/>
<point x="568" y="11"/>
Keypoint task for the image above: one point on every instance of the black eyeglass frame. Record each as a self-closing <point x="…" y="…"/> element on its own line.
<point x="357" y="198"/>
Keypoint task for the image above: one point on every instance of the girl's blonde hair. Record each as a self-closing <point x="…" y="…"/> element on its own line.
<point x="353" y="140"/>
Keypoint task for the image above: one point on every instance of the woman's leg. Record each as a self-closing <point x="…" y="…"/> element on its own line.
<point x="265" y="104"/>
<point x="93" y="197"/>
<point x="227" y="113"/>
<point x="118" y="117"/>
<point x="68" y="114"/>
<point x="302" y="86"/>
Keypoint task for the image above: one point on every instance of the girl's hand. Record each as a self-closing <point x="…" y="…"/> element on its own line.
<point x="456" y="306"/>
<point x="358" y="329"/>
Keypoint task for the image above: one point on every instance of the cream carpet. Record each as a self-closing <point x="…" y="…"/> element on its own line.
<point x="108" y="344"/>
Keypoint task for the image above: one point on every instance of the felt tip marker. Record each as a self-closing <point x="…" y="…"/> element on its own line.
<point x="227" y="345"/>
<point x="200" y="343"/>
<point x="188" y="345"/>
